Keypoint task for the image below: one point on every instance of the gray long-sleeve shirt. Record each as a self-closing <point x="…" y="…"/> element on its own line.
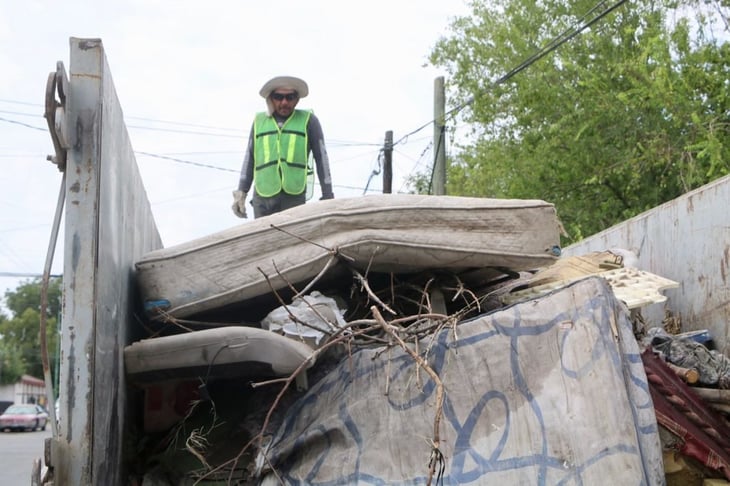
<point x="316" y="146"/>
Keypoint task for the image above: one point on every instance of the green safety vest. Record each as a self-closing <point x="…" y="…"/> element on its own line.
<point x="281" y="154"/>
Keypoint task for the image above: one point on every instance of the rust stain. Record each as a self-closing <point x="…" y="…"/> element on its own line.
<point x="86" y="75"/>
<point x="85" y="44"/>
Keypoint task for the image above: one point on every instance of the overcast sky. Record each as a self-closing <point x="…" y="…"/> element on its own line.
<point x="187" y="74"/>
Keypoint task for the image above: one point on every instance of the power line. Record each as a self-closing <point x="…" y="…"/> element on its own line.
<point x="548" y="48"/>
<point x="330" y="142"/>
<point x="184" y="124"/>
<point x="551" y="46"/>
<point x="21" y="113"/>
<point x="16" y="102"/>
<point x="22" y="275"/>
<point x="186" y="132"/>
<point x="183" y="161"/>
<point x="23" y="124"/>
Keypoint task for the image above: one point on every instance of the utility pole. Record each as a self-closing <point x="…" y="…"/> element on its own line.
<point x="439" y="137"/>
<point x="388" y="163"/>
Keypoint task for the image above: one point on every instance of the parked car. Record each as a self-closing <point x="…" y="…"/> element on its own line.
<point x="24" y="417"/>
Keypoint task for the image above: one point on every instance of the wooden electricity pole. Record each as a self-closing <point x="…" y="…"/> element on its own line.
<point x="388" y="163"/>
<point x="439" y="137"/>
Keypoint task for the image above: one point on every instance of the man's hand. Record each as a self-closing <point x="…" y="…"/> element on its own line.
<point x="239" y="204"/>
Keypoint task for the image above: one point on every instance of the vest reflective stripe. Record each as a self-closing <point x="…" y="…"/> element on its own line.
<point x="281" y="154"/>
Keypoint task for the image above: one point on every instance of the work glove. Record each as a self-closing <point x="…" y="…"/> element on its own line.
<point x="239" y="204"/>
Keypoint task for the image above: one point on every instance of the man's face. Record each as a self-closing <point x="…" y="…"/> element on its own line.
<point x="284" y="101"/>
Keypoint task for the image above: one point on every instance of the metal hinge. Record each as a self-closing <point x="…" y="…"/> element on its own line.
<point x="55" y="114"/>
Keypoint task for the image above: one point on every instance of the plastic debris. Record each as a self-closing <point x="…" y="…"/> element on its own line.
<point x="686" y="352"/>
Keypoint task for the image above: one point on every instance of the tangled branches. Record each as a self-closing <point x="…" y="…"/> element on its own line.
<point x="419" y="306"/>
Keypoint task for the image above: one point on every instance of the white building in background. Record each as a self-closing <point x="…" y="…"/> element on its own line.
<point x="27" y="390"/>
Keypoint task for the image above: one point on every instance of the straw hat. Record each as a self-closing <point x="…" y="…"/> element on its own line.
<point x="285" y="82"/>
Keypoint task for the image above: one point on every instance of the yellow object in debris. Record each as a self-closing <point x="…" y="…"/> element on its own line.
<point x="635" y="288"/>
<point x="715" y="482"/>
<point x="571" y="268"/>
<point x="673" y="462"/>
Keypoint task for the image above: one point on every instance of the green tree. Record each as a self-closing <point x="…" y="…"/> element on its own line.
<point x="21" y="332"/>
<point x="28" y="295"/>
<point x="628" y="114"/>
<point x="12" y="366"/>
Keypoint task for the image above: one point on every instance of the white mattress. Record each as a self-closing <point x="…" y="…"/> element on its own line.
<point x="386" y="233"/>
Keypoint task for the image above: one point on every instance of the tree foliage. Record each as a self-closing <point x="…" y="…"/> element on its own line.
<point x="20" y="351"/>
<point x="626" y="115"/>
<point x="28" y="296"/>
<point x="12" y="366"/>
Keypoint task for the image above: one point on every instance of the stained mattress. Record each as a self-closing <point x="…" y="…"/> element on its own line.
<point x="388" y="233"/>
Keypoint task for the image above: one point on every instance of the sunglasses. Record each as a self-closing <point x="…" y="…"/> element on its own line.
<point x="287" y="97"/>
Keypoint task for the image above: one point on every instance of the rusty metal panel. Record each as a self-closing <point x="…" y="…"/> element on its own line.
<point x="108" y="225"/>
<point x="686" y="240"/>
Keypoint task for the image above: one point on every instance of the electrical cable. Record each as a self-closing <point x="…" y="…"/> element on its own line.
<point x="15" y="122"/>
<point x="442" y="134"/>
<point x="375" y="172"/>
<point x="183" y="161"/>
<point x="551" y="46"/>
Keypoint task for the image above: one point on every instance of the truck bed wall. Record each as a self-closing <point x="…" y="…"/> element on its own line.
<point x="108" y="225"/>
<point x="686" y="240"/>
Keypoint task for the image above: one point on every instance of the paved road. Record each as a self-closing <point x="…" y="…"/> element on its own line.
<point x="17" y="452"/>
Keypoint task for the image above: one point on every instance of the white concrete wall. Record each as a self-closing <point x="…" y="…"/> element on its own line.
<point x="7" y="393"/>
<point x="20" y="392"/>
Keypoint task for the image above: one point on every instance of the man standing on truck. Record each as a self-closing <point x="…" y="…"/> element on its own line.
<point x="277" y="158"/>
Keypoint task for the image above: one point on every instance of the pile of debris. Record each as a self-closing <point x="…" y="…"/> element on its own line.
<point x="462" y="371"/>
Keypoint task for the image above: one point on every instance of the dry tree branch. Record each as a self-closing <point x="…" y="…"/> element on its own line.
<point x="392" y="287"/>
<point x="364" y="283"/>
<point x="418" y="368"/>
<point x="332" y="326"/>
<point x="273" y="470"/>
<point x="436" y="455"/>
<point x="286" y="384"/>
<point x="409" y="300"/>
<point x="339" y="330"/>
<point x="327" y="266"/>
<point x="286" y="307"/>
<point x="169" y="319"/>
<point x="426" y="296"/>
<point x="299" y="237"/>
<point x="461" y="289"/>
<point x="335" y="251"/>
<point x="278" y="297"/>
<point x="260" y="436"/>
<point x="196" y="444"/>
<point x="387" y="372"/>
<point x="418" y="317"/>
<point x="370" y="260"/>
<point x="172" y="437"/>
